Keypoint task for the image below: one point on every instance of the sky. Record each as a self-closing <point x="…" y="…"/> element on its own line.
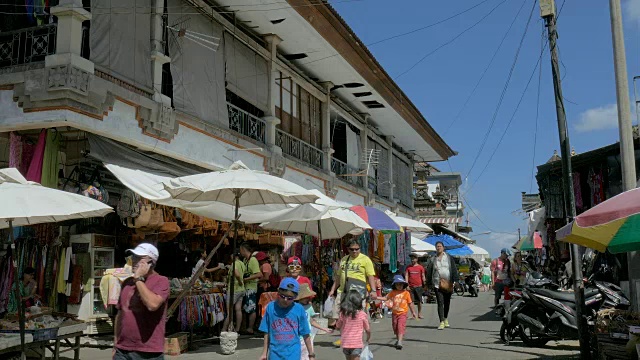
<point x="496" y="171"/>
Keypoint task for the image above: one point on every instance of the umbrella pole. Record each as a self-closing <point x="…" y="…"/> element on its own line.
<point x="18" y="297"/>
<point x="320" y="287"/>
<point x="232" y="305"/>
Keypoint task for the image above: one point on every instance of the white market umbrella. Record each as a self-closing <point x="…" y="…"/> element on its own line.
<point x="478" y="252"/>
<point x="151" y="186"/>
<point x="421" y="246"/>
<point x="29" y="203"/>
<point x="239" y="188"/>
<point x="319" y="221"/>
<point x="409" y="224"/>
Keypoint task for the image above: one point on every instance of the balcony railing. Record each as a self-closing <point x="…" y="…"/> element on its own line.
<point x="343" y="170"/>
<point x="246" y="124"/>
<point x="299" y="149"/>
<point x="27" y="45"/>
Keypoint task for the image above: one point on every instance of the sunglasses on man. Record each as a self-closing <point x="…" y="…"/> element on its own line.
<point x="285" y="297"/>
<point x="354" y="249"/>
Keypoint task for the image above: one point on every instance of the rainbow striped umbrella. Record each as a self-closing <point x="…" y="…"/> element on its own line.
<point x="377" y="219"/>
<point x="613" y="225"/>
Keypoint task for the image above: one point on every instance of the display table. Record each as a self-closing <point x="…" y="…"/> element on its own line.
<point x="10" y="343"/>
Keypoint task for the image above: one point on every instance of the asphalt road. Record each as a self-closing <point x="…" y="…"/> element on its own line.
<point x="474" y="334"/>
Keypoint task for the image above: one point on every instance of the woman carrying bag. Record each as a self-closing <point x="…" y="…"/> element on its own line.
<point x="442" y="273"/>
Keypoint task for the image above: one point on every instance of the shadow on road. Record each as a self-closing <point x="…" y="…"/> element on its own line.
<point x="507" y="349"/>
<point x="490" y="316"/>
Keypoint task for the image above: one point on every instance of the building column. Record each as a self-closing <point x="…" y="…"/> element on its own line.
<point x="326" y="127"/>
<point x="66" y="69"/>
<point x="392" y="185"/>
<point x="412" y="164"/>
<point x="270" y="118"/>
<point x="158" y="57"/>
<point x="364" y="141"/>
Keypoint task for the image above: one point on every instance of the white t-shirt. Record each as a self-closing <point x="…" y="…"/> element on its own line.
<point x="442" y="270"/>
<point x="198" y="265"/>
<point x="486" y="271"/>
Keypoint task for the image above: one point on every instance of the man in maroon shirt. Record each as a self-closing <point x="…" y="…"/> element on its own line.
<point x="142" y="309"/>
<point x="416" y="278"/>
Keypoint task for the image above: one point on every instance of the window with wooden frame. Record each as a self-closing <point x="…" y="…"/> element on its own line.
<point x="300" y="113"/>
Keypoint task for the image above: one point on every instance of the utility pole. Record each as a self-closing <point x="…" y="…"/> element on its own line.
<point x="627" y="154"/>
<point x="548" y="13"/>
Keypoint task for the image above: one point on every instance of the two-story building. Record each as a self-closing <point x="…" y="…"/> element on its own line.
<point x="178" y="85"/>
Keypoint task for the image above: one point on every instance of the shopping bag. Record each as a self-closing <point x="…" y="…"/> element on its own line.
<point x="366" y="353"/>
<point x="328" y="307"/>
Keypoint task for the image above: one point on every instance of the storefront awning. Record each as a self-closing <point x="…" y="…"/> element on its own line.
<point x="440" y="220"/>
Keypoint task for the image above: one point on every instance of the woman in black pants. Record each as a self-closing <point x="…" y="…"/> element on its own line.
<point x="442" y="273"/>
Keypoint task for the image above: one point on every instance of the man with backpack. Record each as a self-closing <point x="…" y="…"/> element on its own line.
<point x="354" y="273"/>
<point x="251" y="276"/>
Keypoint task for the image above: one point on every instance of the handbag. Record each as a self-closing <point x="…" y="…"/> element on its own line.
<point x="445" y="286"/>
<point x="156" y="219"/>
<point x="143" y="219"/>
<point x="169" y="229"/>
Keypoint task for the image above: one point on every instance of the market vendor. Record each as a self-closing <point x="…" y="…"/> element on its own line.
<point x="28" y="287"/>
<point x="355" y="273"/>
<point x="202" y="262"/>
<point x="294" y="269"/>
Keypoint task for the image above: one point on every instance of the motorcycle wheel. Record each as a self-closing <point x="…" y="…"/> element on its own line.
<point x="532" y="340"/>
<point x="459" y="290"/>
<point x="508" y="333"/>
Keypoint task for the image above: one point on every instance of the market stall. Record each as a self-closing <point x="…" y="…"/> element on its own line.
<point x="38" y="205"/>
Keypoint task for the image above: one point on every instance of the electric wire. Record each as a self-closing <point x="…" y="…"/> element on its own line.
<point x="450" y="41"/>
<point x="405" y="33"/>
<point x="486" y="69"/>
<point x="535" y="132"/>
<point x="503" y="94"/>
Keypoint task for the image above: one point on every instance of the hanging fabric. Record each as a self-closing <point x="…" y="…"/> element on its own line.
<point x="386" y="257"/>
<point x="35" y="167"/>
<point x="393" y="255"/>
<point x="51" y="160"/>
<point x="380" y="249"/>
<point x="400" y="248"/>
<point x="15" y="150"/>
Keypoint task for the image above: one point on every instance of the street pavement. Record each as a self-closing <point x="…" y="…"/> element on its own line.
<point x="474" y="334"/>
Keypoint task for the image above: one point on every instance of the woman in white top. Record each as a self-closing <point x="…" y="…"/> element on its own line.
<point x="442" y="267"/>
<point x="202" y="262"/>
<point x="486" y="277"/>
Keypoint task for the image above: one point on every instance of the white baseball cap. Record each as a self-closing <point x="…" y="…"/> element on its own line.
<point x="145" y="249"/>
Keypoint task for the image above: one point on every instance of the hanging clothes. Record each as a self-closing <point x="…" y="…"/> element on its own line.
<point x="577" y="190"/>
<point x="28" y="149"/>
<point x="380" y="249"/>
<point x="386" y="258"/>
<point x="61" y="284"/>
<point x="596" y="182"/>
<point x="51" y="160"/>
<point x="35" y="167"/>
<point x="393" y="254"/>
<point x="15" y="150"/>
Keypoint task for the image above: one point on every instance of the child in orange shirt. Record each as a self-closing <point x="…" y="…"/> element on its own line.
<point x="399" y="300"/>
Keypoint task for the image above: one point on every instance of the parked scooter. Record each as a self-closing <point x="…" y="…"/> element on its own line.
<point x="542" y="315"/>
<point x="471" y="285"/>
<point x="534" y="279"/>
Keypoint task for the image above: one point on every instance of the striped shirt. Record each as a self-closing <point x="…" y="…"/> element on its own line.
<point x="352" y="329"/>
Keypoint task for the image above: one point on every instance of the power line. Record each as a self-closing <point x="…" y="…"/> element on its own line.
<point x="516" y="109"/>
<point x="495" y="150"/>
<point x="406" y="33"/>
<point x="504" y="91"/>
<point x="450" y="41"/>
<point x="535" y="133"/>
<point x="495" y="53"/>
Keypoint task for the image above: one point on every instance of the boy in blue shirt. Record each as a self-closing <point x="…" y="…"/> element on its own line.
<point x="284" y="322"/>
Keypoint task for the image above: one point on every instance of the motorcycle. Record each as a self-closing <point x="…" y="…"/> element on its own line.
<point x="542" y="315"/>
<point x="535" y="279"/>
<point x="459" y="286"/>
<point x="471" y="285"/>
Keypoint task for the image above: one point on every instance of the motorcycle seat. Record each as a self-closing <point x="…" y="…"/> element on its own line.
<point x="564" y="296"/>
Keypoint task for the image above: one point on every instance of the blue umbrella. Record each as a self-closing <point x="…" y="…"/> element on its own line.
<point x="449" y="242"/>
<point x="463" y="251"/>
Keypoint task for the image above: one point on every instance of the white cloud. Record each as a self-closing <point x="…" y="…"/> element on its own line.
<point x="494" y="242"/>
<point x="601" y="118"/>
<point x="632" y="10"/>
